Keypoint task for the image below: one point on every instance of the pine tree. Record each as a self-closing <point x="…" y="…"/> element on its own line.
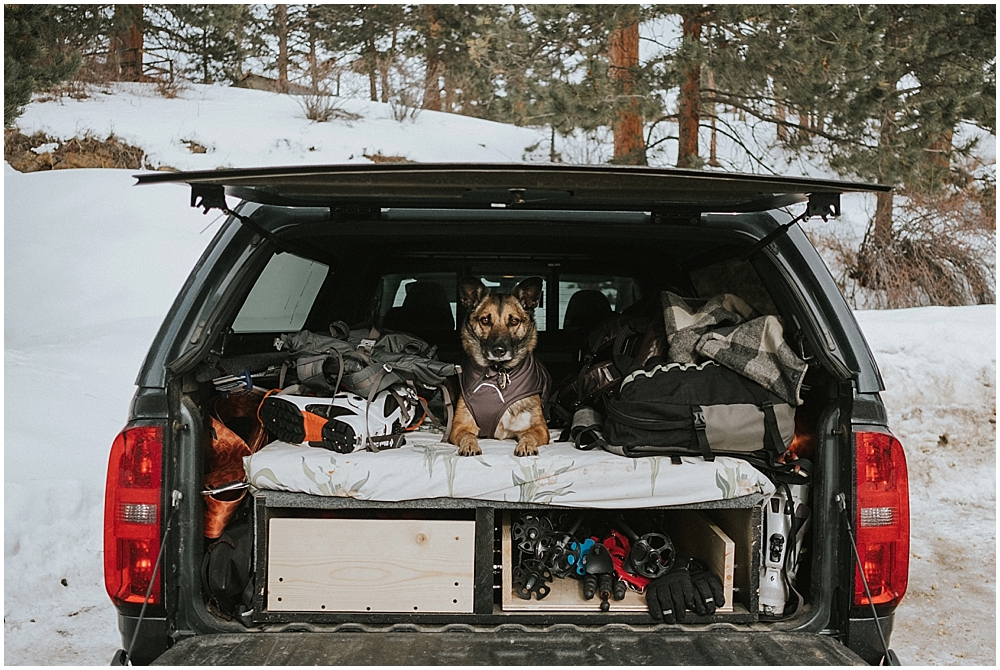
<point x="127" y="41"/>
<point x="216" y="39"/>
<point x="371" y="34"/>
<point x="28" y="66"/>
<point x="623" y="49"/>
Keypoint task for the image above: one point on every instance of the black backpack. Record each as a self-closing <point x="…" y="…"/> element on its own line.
<point x="674" y="409"/>
<point x="611" y="350"/>
<point x="704" y="409"/>
<point x="227" y="568"/>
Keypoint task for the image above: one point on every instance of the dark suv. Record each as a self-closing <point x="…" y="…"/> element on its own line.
<point x="309" y="246"/>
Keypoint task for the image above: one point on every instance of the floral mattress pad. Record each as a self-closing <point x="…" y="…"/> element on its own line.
<point x="425" y="467"/>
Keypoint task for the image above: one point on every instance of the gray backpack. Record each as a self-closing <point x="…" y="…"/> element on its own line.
<point x="364" y="359"/>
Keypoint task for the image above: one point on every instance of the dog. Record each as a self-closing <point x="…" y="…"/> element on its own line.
<point x="503" y="384"/>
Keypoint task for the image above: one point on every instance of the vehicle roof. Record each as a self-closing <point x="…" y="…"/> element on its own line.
<point x="525" y="186"/>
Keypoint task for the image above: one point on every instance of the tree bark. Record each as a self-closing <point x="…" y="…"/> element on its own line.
<point x="689" y="105"/>
<point x="432" y="61"/>
<point x="127" y="45"/>
<point x="313" y="65"/>
<point x="713" y="157"/>
<point x="882" y="226"/>
<point x="623" y="52"/>
<point x="372" y="69"/>
<point x="282" y="21"/>
<point x="386" y="64"/>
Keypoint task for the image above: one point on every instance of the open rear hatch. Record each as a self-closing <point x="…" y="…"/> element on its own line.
<point x="546" y="187"/>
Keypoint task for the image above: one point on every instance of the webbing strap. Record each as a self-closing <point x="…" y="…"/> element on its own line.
<point x="772" y="435"/>
<point x="699" y="431"/>
<point x="370" y="446"/>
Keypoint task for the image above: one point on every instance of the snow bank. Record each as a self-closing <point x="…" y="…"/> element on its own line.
<point x="245" y="128"/>
<point x="91" y="265"/>
<point x="939" y="368"/>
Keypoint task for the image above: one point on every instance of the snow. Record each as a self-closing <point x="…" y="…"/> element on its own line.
<point x="92" y="264"/>
<point x="246" y="128"/>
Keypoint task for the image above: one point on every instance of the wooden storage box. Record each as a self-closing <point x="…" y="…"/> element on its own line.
<point x="690" y="530"/>
<point x="370" y="565"/>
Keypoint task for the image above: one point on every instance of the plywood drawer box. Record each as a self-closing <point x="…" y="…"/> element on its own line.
<point x="370" y="565"/>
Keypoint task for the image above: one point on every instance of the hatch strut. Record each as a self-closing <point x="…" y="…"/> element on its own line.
<point x="890" y="655"/>
<point x="213" y="196"/>
<point x="820" y="204"/>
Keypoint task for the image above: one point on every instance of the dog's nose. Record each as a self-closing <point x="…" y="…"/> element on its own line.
<point x="498" y="350"/>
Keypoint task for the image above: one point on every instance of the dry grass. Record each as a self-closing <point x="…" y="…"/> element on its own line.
<point x="378" y="157"/>
<point x="941" y="252"/>
<point x="79" y="152"/>
<point x="321" y="107"/>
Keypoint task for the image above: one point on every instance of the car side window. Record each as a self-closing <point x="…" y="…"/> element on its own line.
<point x="283" y="295"/>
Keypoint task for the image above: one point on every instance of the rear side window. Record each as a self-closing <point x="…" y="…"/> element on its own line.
<point x="283" y="295"/>
<point x="429" y="299"/>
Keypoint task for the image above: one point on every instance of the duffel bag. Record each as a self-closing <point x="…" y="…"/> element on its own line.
<point x="682" y="409"/>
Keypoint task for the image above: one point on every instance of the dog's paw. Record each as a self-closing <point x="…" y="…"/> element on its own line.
<point x="469" y="446"/>
<point x="525" y="448"/>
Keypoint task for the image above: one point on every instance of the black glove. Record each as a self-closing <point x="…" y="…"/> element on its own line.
<point x="708" y="592"/>
<point x="688" y="585"/>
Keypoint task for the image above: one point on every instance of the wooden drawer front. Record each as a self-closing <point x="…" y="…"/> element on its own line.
<point x="370" y="565"/>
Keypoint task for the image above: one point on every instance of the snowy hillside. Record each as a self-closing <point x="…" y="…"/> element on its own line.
<point x="91" y="265"/>
<point x="244" y="128"/>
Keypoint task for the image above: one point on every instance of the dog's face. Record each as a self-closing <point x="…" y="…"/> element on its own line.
<point x="499" y="330"/>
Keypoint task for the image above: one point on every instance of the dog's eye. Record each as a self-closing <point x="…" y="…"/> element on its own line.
<point x="485" y="320"/>
<point x="513" y="321"/>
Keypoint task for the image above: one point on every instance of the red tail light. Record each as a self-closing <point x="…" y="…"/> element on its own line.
<point x="132" y="504"/>
<point x="882" y="519"/>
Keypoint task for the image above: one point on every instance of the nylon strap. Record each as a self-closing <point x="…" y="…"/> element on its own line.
<point x="772" y="436"/>
<point x="699" y="430"/>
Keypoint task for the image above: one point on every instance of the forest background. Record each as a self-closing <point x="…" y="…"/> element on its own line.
<point x="899" y="94"/>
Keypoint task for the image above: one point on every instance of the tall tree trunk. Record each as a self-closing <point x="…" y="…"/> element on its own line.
<point x="689" y="105"/>
<point x="432" y="61"/>
<point x="127" y="45"/>
<point x="449" y="91"/>
<point x="781" y="130"/>
<point x="204" y="57"/>
<point x="282" y="21"/>
<point x="386" y="64"/>
<point x="372" y="69"/>
<point x="313" y="65"/>
<point x="882" y="226"/>
<point x="623" y="51"/>
<point x="713" y="158"/>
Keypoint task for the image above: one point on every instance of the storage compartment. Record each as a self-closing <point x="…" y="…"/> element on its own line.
<point x="734" y="560"/>
<point x="342" y="565"/>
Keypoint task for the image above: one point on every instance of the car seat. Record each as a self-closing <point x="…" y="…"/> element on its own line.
<point x="425" y="309"/>
<point x="586" y="309"/>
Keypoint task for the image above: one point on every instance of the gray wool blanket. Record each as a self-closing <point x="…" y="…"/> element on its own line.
<point x="728" y="331"/>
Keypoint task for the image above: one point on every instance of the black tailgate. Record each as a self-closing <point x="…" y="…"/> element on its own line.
<point x="559" y="645"/>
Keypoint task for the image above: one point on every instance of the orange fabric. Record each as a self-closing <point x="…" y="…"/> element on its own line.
<point x="313" y="423"/>
<point x="224" y="452"/>
<point x="219" y="512"/>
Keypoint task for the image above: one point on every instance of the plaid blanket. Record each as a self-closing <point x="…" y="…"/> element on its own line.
<point x="728" y="331"/>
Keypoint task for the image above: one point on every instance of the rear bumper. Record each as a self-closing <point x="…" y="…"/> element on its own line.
<point x="509" y="645"/>
<point x="153" y="638"/>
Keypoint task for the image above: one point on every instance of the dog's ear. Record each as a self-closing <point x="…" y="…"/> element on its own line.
<point x="470" y="292"/>
<point x="529" y="292"/>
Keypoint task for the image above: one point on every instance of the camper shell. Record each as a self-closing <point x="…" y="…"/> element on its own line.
<point x="373" y="229"/>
